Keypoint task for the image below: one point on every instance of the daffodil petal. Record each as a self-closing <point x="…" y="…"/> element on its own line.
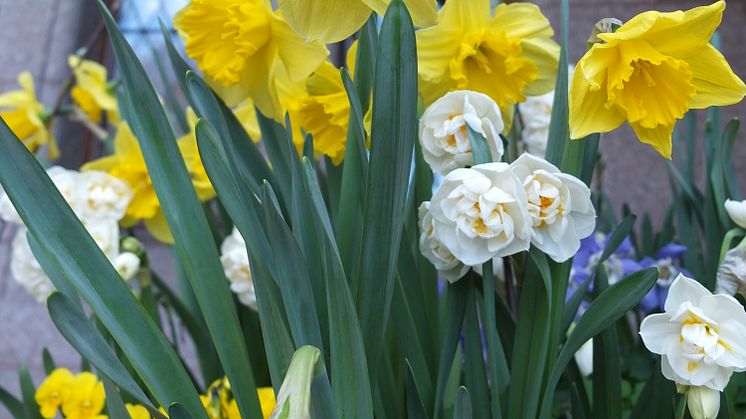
<point x="659" y="138"/>
<point x="442" y="45"/>
<point x="158" y="227"/>
<point x="301" y="58"/>
<point x="693" y="31"/>
<point x="714" y="80"/>
<point x="327" y="20"/>
<point x="464" y="14"/>
<point x="424" y="12"/>
<point x="588" y="112"/>
<point x="545" y="54"/>
<point x="521" y="20"/>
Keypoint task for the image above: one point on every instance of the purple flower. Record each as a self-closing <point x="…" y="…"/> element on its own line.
<point x="619" y="264"/>
<point x="668" y="262"/>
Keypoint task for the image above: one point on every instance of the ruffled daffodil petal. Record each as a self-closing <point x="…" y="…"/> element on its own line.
<point x="329" y="20"/>
<point x="650" y="72"/>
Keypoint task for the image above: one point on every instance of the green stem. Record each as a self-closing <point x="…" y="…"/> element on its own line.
<point x="728" y="239"/>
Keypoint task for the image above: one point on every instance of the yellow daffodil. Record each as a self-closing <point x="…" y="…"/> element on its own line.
<point x="323" y="110"/>
<point x="335" y="20"/>
<point x="220" y="403"/>
<point x="24" y="114"/>
<point x="92" y="93"/>
<point x="53" y="392"/>
<point x="137" y="411"/>
<point x="507" y="55"/>
<point x="649" y="73"/>
<point x="240" y="45"/>
<point x="128" y="164"/>
<point x="86" y="398"/>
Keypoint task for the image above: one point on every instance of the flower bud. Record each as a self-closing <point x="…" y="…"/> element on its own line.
<point x="294" y="397"/>
<point x="731" y="275"/>
<point x="132" y="245"/>
<point x="704" y="402"/>
<point x="605" y="25"/>
<point x="736" y="211"/>
<point x="127" y="264"/>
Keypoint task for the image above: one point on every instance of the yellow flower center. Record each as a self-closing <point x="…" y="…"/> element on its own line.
<point x="221" y="35"/>
<point x="652" y="91"/>
<point x="491" y="63"/>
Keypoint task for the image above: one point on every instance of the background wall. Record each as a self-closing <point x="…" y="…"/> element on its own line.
<point x="38" y="35"/>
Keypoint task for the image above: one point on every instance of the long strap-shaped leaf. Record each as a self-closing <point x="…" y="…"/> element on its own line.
<point x="392" y="144"/>
<point x="66" y="241"/>
<point x="186" y="219"/>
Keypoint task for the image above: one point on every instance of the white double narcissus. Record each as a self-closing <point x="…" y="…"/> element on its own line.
<point x="435" y="251"/>
<point x="235" y="260"/>
<point x="480" y="213"/>
<point x="700" y="335"/>
<point x="444" y="134"/>
<point x="559" y="205"/>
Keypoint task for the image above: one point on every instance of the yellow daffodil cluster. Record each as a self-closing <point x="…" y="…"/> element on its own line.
<point x="650" y="72"/>
<point x="220" y="404"/>
<point x="79" y="396"/>
<point x="26" y="116"/>
<point x="93" y="94"/>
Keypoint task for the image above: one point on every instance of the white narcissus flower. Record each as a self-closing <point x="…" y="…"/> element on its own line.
<point x="26" y="270"/>
<point x="444" y="135"/>
<point x="736" y="211"/>
<point x="127" y="264"/>
<point x="235" y="260"/>
<point x="436" y="252"/>
<point x="584" y="358"/>
<point x="560" y="207"/>
<point x="107" y="196"/>
<point x="480" y="213"/>
<point x="699" y="336"/>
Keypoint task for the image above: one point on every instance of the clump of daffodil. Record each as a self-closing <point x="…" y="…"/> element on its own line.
<point x="335" y="20"/>
<point x="220" y="403"/>
<point x="128" y="164"/>
<point x="650" y="72"/>
<point x="92" y="92"/>
<point x="321" y="108"/>
<point x="53" y="392"/>
<point x="26" y="116"/>
<point x="240" y="46"/>
<point x="507" y="55"/>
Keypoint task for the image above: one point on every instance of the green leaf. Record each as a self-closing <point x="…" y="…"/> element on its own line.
<point x="479" y="148"/>
<point x="28" y="391"/>
<point x="621" y="232"/>
<point x="52" y="269"/>
<point x="293" y="278"/>
<point x="45" y="213"/>
<point x="88" y="341"/>
<point x="350" y="381"/>
<point x="559" y="133"/>
<point x="656" y="398"/>
<point x="607" y="371"/>
<point x="531" y="340"/>
<point x="415" y="407"/>
<point x="186" y="220"/>
<point x="603" y="311"/>
<point x="14" y="406"/>
<point x="48" y="361"/>
<point x="248" y="216"/>
<point x="177" y="411"/>
<point x="729" y="172"/>
<point x="475" y="376"/>
<point x="114" y="404"/>
<point x="462" y="409"/>
<point x="392" y="140"/>
<point x="365" y="61"/>
<point x="273" y="138"/>
<point x="456" y="296"/>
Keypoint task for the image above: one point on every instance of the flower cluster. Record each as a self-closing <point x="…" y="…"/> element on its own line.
<point x="100" y="201"/>
<point x="220" y="404"/>
<point x="235" y="259"/>
<point x="497" y="209"/>
<point x="79" y="396"/>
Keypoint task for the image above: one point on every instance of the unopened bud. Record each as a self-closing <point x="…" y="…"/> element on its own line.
<point x="605" y="25"/>
<point x="704" y="402"/>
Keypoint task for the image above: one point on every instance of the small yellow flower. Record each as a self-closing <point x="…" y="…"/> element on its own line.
<point x="86" y="398"/>
<point x="91" y="92"/>
<point x="23" y="113"/>
<point x="220" y="403"/>
<point x="650" y="72"/>
<point x="53" y="392"/>
<point x="128" y="164"/>
<point x="506" y="56"/>
<point x="241" y="45"/>
<point x="335" y="20"/>
<point x="137" y="411"/>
